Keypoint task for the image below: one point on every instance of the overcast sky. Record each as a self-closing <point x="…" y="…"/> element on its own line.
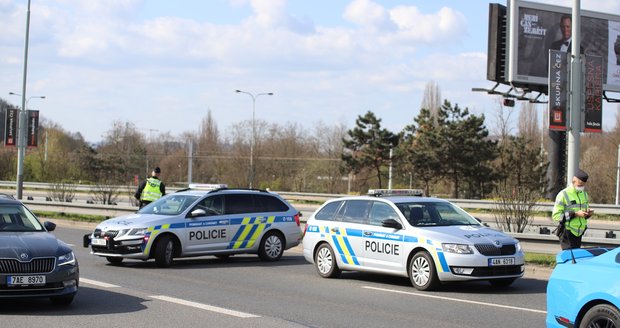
<point x="163" y="64"/>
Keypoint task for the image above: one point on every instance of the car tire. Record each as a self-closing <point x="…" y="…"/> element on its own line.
<point x="114" y="260"/>
<point x="325" y="262"/>
<point x="502" y="283"/>
<point x="602" y="315"/>
<point x="164" y="251"/>
<point x="422" y="272"/>
<point x="271" y="247"/>
<point x="64" y="300"/>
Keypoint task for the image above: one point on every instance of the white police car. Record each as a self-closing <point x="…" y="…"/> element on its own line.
<point x="220" y="222"/>
<point x="430" y="240"/>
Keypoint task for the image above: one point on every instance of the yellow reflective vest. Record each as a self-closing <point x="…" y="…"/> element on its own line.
<point x="567" y="202"/>
<point x="151" y="190"/>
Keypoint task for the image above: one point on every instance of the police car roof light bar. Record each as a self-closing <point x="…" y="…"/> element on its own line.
<point x="395" y="192"/>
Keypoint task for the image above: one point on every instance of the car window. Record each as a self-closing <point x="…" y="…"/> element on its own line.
<point x="435" y="214"/>
<point x="18" y="218"/>
<point x="328" y="211"/>
<point x="212" y="205"/>
<point x="268" y="203"/>
<point x="239" y="204"/>
<point x="381" y="211"/>
<point x="169" y="205"/>
<point x="355" y="211"/>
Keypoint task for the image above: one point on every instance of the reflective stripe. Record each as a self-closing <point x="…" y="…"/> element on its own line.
<point x="151" y="191"/>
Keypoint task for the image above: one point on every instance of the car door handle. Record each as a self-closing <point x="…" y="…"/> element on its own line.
<point x="335" y="229"/>
<point x="367" y="233"/>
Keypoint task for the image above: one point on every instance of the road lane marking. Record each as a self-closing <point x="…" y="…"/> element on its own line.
<point x="456" y="300"/>
<point x="98" y="283"/>
<point x="205" y="307"/>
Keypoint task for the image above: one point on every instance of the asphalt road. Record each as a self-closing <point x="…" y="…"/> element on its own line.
<point x="244" y="291"/>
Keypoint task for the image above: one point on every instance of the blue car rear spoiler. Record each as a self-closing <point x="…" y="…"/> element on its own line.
<point x="580" y="253"/>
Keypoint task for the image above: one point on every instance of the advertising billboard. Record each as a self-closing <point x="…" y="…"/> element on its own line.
<point x="536" y="28"/>
<point x="33" y="128"/>
<point x="10" y="127"/>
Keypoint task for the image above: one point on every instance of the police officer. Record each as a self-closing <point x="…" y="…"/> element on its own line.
<point x="150" y="189"/>
<point x="571" y="211"/>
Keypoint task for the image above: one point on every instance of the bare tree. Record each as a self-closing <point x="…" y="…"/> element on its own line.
<point x="528" y="122"/>
<point x="431" y="99"/>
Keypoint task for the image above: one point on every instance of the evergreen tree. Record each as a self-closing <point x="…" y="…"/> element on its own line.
<point x="367" y="146"/>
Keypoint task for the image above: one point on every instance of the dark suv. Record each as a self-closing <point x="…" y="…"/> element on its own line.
<point x="33" y="263"/>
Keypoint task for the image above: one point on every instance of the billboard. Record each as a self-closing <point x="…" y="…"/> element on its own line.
<point x="33" y="128"/>
<point x="10" y="127"/>
<point x="558" y="90"/>
<point x="536" y="28"/>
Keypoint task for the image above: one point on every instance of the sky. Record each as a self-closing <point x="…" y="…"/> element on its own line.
<point x="163" y="65"/>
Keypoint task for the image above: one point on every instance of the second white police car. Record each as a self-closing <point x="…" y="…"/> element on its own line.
<point x="220" y="222"/>
<point x="430" y="240"/>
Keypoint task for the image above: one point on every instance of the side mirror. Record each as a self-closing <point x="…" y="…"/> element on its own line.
<point x="49" y="226"/>
<point x="391" y="223"/>
<point x="197" y="212"/>
<point x="480" y="220"/>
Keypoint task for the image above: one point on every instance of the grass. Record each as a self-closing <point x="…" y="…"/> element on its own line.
<point x="547" y="260"/>
<point x="70" y="216"/>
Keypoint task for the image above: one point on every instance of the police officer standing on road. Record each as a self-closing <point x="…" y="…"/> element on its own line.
<point x="150" y="189"/>
<point x="572" y="211"/>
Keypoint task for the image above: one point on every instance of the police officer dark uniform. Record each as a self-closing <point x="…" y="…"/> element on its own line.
<point x="572" y="211"/>
<point x="150" y="189"/>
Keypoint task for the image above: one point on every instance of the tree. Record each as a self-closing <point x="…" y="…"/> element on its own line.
<point x="419" y="147"/>
<point x="432" y="99"/>
<point x="367" y="146"/>
<point x="466" y="151"/>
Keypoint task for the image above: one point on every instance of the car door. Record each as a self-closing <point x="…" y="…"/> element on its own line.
<point x="383" y="247"/>
<point x="346" y="232"/>
<point x="209" y="231"/>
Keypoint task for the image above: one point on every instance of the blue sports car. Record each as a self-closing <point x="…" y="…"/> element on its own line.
<point x="584" y="289"/>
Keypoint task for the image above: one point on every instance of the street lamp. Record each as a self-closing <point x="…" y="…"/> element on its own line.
<point x="21" y="141"/>
<point x="253" y="140"/>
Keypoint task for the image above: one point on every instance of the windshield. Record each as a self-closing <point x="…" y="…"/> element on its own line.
<point x="429" y="214"/>
<point x="16" y="217"/>
<point x="169" y="205"/>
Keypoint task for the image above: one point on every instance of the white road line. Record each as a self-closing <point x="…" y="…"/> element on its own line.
<point x="206" y="307"/>
<point x="98" y="283"/>
<point x="456" y="300"/>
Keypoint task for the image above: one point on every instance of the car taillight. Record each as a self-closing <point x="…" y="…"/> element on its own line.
<point x="297" y="219"/>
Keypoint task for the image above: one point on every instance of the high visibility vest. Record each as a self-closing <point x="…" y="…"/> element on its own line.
<point x="569" y="200"/>
<point x="151" y="190"/>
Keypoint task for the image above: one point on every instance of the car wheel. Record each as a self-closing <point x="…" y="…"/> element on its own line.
<point x="422" y="272"/>
<point x="164" y="252"/>
<point x="325" y="262"/>
<point x="64" y="300"/>
<point x="114" y="260"/>
<point x="502" y="283"/>
<point x="271" y="247"/>
<point x="602" y="315"/>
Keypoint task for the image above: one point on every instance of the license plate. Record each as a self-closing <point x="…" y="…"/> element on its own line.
<point x="502" y="261"/>
<point x="98" y="242"/>
<point x="25" y="280"/>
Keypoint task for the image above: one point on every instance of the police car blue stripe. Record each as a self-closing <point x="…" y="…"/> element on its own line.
<point x="442" y="260"/>
<point x="350" y="249"/>
<point x="335" y="239"/>
<point x="354" y="232"/>
<point x="410" y="239"/>
<point x="244" y="244"/>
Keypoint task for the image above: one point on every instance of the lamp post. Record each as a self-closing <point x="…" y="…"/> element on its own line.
<point x="253" y="140"/>
<point x="21" y="141"/>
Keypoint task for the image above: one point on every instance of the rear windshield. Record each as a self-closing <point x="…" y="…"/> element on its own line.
<point x="435" y="214"/>
<point x="18" y="218"/>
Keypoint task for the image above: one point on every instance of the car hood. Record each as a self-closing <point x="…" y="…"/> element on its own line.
<point x="32" y="244"/>
<point x="133" y="221"/>
<point x="469" y="235"/>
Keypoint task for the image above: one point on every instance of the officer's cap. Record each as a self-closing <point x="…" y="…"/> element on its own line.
<point x="581" y="175"/>
<point x="158" y="170"/>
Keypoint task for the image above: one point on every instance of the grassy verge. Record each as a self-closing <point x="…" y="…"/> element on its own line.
<point x="547" y="260"/>
<point x="70" y="216"/>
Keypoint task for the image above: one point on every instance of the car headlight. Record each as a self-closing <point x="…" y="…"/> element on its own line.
<point x="67" y="259"/>
<point x="138" y="232"/>
<point x="457" y="248"/>
<point x="518" y="247"/>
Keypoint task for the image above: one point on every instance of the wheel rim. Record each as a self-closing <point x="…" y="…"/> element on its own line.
<point x="420" y="271"/>
<point x="273" y="246"/>
<point x="324" y="260"/>
<point x="169" y="251"/>
<point x="602" y="322"/>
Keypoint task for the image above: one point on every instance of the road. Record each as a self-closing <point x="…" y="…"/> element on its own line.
<point x="244" y="291"/>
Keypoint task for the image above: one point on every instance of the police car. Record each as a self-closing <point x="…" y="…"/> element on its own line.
<point x="195" y="222"/>
<point x="430" y="240"/>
